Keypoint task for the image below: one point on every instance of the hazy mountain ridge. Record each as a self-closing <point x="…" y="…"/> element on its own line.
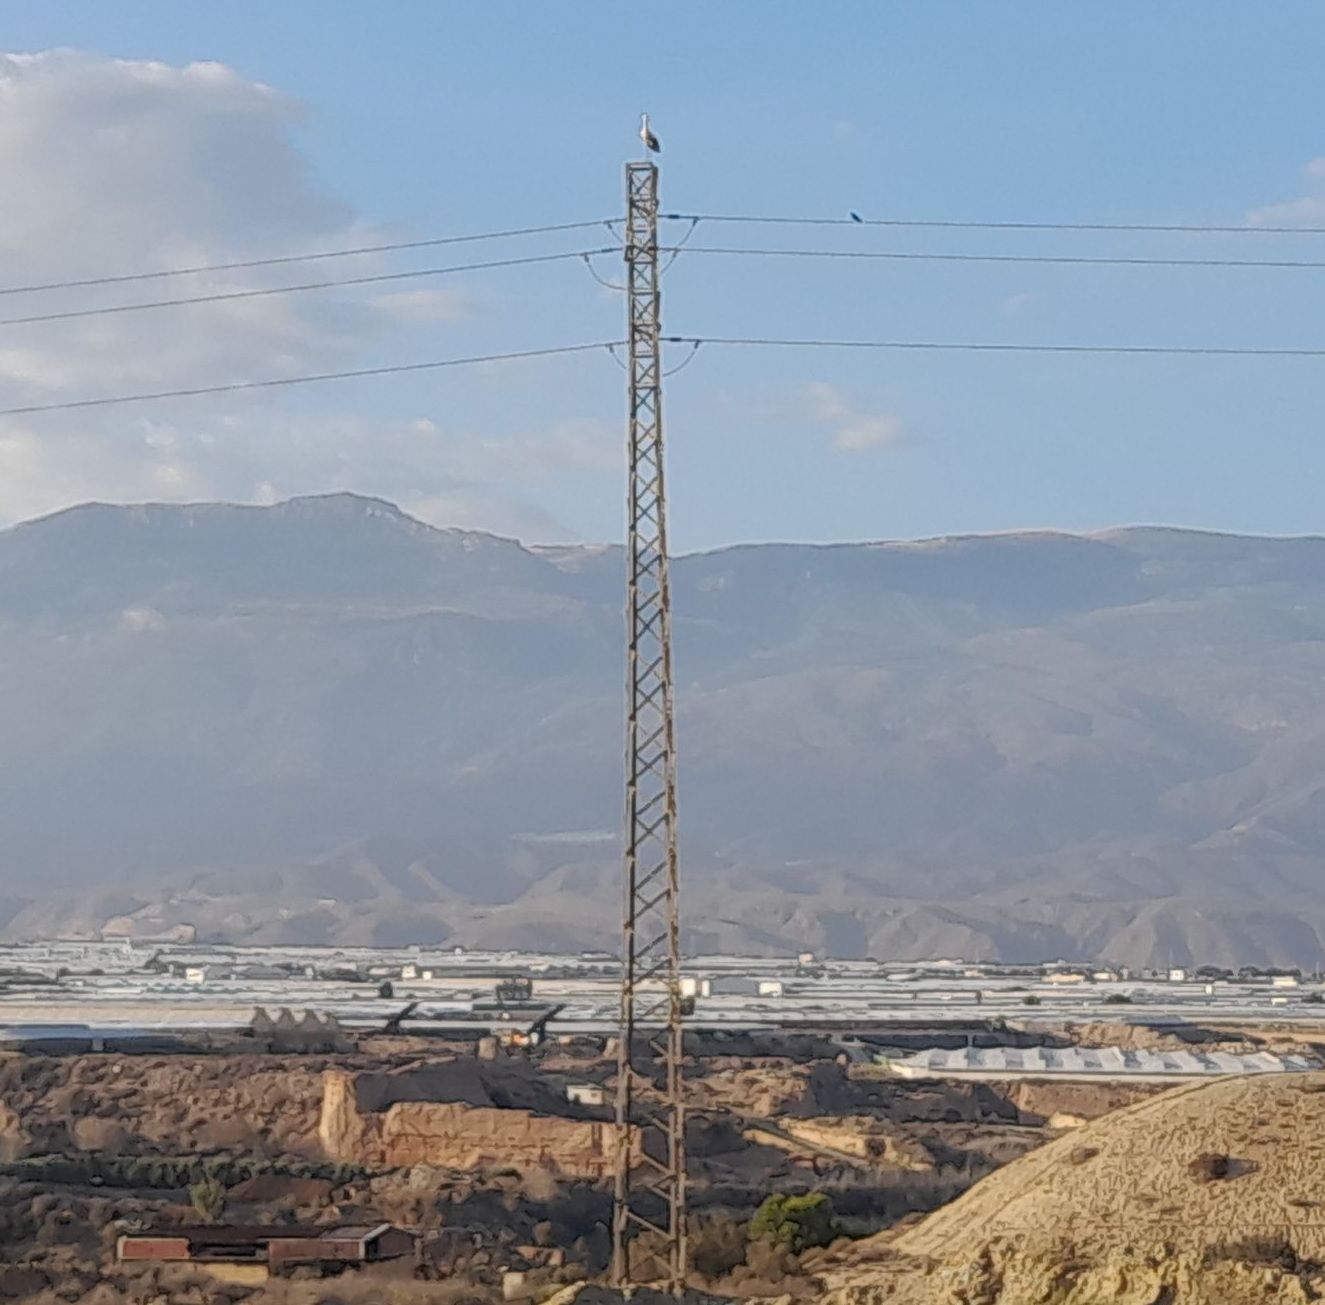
<point x="324" y="719"/>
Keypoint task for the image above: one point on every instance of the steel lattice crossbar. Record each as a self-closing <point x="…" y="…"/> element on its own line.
<point x="650" y="1192"/>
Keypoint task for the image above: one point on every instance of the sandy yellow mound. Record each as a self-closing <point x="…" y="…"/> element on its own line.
<point x="1213" y="1192"/>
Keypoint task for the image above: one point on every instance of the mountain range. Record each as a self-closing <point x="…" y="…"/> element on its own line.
<point x="326" y="721"/>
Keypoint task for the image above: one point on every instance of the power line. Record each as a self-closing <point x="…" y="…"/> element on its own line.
<point x="336" y="283"/>
<point x="586" y="254"/>
<point x="400" y="246"/>
<point x="396" y="246"/>
<point x="989" y="347"/>
<point x="901" y="256"/>
<point x="695" y="341"/>
<point x="395" y="369"/>
<point x="1182" y="227"/>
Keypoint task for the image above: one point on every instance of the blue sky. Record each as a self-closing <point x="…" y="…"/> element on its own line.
<point x="422" y="119"/>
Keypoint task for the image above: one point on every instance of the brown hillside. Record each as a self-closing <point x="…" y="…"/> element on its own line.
<point x="1210" y="1194"/>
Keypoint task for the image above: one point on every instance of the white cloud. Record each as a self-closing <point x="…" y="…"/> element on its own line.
<point x="1304" y="211"/>
<point x="1308" y="211"/>
<point x="852" y="430"/>
<point x="129" y="166"/>
<point x="132" y="166"/>
<point x="447" y="476"/>
<point x="141" y="620"/>
<point x="868" y="433"/>
<point x="425" y="305"/>
<point x="1018" y="304"/>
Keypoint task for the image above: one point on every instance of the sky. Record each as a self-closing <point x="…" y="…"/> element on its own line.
<point x="155" y="134"/>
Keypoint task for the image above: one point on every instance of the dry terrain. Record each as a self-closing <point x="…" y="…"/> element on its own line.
<point x="1025" y="1193"/>
<point x="487" y="1159"/>
<point x="1208" y="1194"/>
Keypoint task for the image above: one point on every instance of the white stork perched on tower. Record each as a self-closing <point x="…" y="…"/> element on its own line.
<point x="647" y="136"/>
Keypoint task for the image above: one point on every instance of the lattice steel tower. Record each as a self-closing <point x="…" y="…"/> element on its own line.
<point x="650" y="1194"/>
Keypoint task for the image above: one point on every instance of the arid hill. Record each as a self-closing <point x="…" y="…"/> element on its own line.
<point x="1208" y="1194"/>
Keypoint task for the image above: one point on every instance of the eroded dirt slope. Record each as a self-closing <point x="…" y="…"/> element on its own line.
<point x="1209" y="1194"/>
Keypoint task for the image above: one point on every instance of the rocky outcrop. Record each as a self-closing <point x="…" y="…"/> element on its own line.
<point x="387" y="1125"/>
<point x="173" y="1105"/>
<point x="850" y="1139"/>
<point x="1042" y="1100"/>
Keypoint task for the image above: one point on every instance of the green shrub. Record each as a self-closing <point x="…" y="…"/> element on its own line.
<point x="165" y="1172"/>
<point x="208" y="1197"/>
<point x="795" y="1222"/>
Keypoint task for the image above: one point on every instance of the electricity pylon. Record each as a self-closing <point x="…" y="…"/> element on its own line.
<point x="650" y="1192"/>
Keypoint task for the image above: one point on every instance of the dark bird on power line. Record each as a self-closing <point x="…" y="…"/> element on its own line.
<point x="647" y="136"/>
<point x="855" y="217"/>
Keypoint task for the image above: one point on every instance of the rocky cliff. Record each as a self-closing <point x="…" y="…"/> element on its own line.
<point x="365" y="1122"/>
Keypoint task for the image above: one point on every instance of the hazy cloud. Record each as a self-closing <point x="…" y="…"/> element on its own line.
<point x="448" y="476"/>
<point x="1306" y="210"/>
<point x="130" y="166"/>
<point x="141" y="620"/>
<point x="425" y="305"/>
<point x="852" y="429"/>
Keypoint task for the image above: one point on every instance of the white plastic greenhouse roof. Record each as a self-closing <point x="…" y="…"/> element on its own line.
<point x="1108" y="1062"/>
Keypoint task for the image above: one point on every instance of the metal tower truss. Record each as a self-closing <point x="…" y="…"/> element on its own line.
<point x="650" y="1193"/>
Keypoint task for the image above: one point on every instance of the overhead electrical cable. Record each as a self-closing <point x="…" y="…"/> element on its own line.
<point x="378" y="278"/>
<point x="907" y="256"/>
<point x="403" y="246"/>
<point x="396" y="246"/>
<point x="945" y="225"/>
<point x="694" y="341"/>
<point x="395" y="369"/>
<point x="994" y="347"/>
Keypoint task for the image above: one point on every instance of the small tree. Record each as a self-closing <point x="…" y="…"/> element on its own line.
<point x="208" y="1197"/>
<point x="795" y="1222"/>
